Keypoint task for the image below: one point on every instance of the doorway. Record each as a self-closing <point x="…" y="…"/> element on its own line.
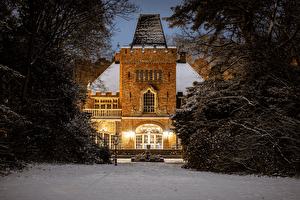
<point x="149" y="134"/>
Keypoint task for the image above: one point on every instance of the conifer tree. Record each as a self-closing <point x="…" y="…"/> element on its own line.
<point x="39" y="42"/>
<point x="250" y="122"/>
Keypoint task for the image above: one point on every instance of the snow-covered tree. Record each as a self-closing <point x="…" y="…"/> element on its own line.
<point x="250" y="122"/>
<point x="40" y="41"/>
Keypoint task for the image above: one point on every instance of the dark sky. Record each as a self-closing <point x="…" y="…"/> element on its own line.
<point x="127" y="28"/>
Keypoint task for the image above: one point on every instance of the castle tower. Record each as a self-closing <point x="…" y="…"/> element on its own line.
<point x="146" y="83"/>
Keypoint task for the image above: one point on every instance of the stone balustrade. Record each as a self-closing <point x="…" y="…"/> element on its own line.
<point x="115" y="113"/>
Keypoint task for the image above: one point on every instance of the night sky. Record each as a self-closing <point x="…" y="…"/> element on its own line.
<point x="126" y="29"/>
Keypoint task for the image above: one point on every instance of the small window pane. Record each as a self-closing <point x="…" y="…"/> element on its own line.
<point x="142" y="75"/>
<point x="160" y="75"/>
<point x="158" y="142"/>
<point x="149" y="102"/>
<point x="151" y="75"/>
<point x="139" y="142"/>
<point x="155" y="75"/>
<point x="137" y="75"/>
<point x="146" y="75"/>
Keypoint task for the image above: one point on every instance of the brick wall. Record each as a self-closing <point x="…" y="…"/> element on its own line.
<point x="130" y="89"/>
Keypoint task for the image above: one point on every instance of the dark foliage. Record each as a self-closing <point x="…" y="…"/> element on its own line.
<point x="40" y="116"/>
<point x="233" y="126"/>
<point x="250" y="122"/>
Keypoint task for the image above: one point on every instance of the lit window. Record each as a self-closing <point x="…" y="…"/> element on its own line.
<point x="149" y="102"/>
<point x="96" y="105"/>
<point x="105" y="103"/>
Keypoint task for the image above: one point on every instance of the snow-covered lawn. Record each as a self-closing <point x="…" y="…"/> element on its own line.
<point x="139" y="181"/>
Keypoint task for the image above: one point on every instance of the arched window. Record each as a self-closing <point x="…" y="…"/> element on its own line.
<point x="149" y="102"/>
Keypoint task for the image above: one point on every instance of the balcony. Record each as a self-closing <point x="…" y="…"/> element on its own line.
<point x="105" y="113"/>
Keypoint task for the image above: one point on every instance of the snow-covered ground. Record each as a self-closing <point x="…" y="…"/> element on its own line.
<point x="139" y="181"/>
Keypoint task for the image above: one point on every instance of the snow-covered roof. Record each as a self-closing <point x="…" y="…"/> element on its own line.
<point x="109" y="78"/>
<point x="185" y="76"/>
<point x="149" y="31"/>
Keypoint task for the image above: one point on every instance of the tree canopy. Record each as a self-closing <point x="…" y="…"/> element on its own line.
<point x="80" y="27"/>
<point x="251" y="121"/>
<point x="40" y="99"/>
<point x="227" y="27"/>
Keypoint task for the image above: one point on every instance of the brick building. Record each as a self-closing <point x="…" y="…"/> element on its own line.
<point x="146" y="82"/>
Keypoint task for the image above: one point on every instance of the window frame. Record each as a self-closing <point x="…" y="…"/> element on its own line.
<point x="106" y="103"/>
<point x="155" y="100"/>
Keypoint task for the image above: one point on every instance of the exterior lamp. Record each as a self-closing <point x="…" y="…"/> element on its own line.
<point x="116" y="141"/>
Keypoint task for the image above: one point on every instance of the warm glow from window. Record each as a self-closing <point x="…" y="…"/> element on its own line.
<point x="129" y="134"/>
<point x="167" y="134"/>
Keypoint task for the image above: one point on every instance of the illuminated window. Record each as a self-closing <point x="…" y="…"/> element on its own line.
<point x="106" y="139"/>
<point x="149" y="102"/>
<point x="149" y="134"/>
<point x="105" y="103"/>
<point x="139" y="142"/>
<point x="96" y="104"/>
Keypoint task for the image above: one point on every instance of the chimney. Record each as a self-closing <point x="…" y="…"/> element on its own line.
<point x="117" y="58"/>
<point x="182" y="57"/>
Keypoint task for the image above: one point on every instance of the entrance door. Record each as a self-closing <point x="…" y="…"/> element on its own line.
<point x="155" y="141"/>
<point x="149" y="139"/>
<point x="149" y="134"/>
